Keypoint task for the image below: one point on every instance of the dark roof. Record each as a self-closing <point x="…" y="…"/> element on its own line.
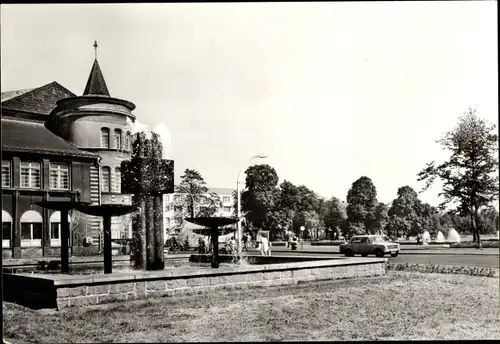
<point x="40" y="100"/>
<point x="96" y="84"/>
<point x="27" y="136"/>
<point x="11" y="94"/>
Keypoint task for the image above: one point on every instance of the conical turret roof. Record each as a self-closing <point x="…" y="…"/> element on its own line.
<point x="96" y="84"/>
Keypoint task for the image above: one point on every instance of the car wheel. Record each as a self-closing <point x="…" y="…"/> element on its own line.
<point x="379" y="253"/>
<point x="349" y="253"/>
<point x="395" y="254"/>
<point x="364" y="254"/>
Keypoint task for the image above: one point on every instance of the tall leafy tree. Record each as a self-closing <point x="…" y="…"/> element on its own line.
<point x="470" y="175"/>
<point x="335" y="215"/>
<point x="209" y="204"/>
<point x="361" y="206"/>
<point x="489" y="220"/>
<point x="289" y="202"/>
<point x="192" y="190"/>
<point x="261" y="197"/>
<point x="381" y="216"/>
<point x="404" y="212"/>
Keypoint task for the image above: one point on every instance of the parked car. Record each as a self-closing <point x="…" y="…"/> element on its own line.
<point x="370" y="244"/>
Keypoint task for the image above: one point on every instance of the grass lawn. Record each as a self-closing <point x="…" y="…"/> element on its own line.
<point x="398" y="306"/>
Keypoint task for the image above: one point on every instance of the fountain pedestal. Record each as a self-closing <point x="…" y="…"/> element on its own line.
<point x="148" y="177"/>
<point x="106" y="211"/>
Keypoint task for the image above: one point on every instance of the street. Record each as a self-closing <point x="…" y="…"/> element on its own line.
<point x="486" y="258"/>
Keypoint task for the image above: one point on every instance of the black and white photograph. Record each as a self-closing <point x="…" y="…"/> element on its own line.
<point x="249" y="171"/>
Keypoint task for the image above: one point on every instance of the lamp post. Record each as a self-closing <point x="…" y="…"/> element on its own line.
<point x="238" y="204"/>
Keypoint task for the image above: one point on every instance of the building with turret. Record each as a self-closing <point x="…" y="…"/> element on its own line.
<point x="57" y="146"/>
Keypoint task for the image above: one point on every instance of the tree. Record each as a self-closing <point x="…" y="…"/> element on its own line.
<point x="192" y="189"/>
<point x="261" y="197"/>
<point x="404" y="212"/>
<point x="361" y="205"/>
<point x="335" y="215"/>
<point x="209" y="205"/>
<point x="381" y="216"/>
<point x="470" y="175"/>
<point x="289" y="202"/>
<point x="489" y="220"/>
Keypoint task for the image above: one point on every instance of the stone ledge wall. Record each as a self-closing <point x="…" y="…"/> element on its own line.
<point x="106" y="293"/>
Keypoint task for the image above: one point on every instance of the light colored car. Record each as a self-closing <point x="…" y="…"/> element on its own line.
<point x="369" y="244"/>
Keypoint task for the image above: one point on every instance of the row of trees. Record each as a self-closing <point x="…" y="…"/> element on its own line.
<point x="470" y="178"/>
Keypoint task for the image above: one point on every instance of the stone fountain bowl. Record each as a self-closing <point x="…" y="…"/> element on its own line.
<point x="107" y="209"/>
<point x="208" y="222"/>
<point x="207" y="231"/>
<point x="212" y="221"/>
<point x="62" y="205"/>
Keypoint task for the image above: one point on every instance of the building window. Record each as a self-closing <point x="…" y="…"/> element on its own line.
<point x="104" y="138"/>
<point x="30" y="174"/>
<point x="227" y="209"/>
<point x="59" y="176"/>
<point x="106" y="177"/>
<point x="226" y="199"/>
<point x="129" y="141"/>
<point x="117" y="139"/>
<point x="6" y="229"/>
<point x="5" y="173"/>
<point x="118" y="180"/>
<point x="31" y="229"/>
<point x="55" y="229"/>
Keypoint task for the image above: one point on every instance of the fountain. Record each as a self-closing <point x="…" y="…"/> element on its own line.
<point x="453" y="236"/>
<point x="212" y="224"/>
<point x="148" y="177"/>
<point x="440" y="237"/>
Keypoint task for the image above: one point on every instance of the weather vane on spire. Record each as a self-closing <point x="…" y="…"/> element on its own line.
<point x="95" y="47"/>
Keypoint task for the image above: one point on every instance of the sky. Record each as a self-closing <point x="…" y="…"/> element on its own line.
<point x="329" y="92"/>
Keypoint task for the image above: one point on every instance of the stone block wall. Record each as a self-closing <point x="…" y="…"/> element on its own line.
<point x="134" y="289"/>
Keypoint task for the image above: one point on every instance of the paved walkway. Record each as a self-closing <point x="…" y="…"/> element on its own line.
<point x="307" y="248"/>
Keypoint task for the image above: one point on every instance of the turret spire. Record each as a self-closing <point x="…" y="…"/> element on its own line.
<point x="96" y="84"/>
<point x="95" y="47"/>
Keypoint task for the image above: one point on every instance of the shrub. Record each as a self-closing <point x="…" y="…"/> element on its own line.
<point x="327" y="243"/>
<point x="470" y="244"/>
<point x="442" y="269"/>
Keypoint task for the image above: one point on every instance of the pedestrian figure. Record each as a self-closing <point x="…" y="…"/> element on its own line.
<point x="201" y="245"/>
<point x="265" y="246"/>
<point x="232" y="244"/>
<point x="245" y="242"/>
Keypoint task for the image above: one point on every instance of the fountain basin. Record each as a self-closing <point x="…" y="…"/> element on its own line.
<point x="61" y="291"/>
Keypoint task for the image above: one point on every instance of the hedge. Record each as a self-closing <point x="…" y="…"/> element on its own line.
<point x="441" y="269"/>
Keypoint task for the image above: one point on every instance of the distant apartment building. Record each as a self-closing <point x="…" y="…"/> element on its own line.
<point x="172" y="215"/>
